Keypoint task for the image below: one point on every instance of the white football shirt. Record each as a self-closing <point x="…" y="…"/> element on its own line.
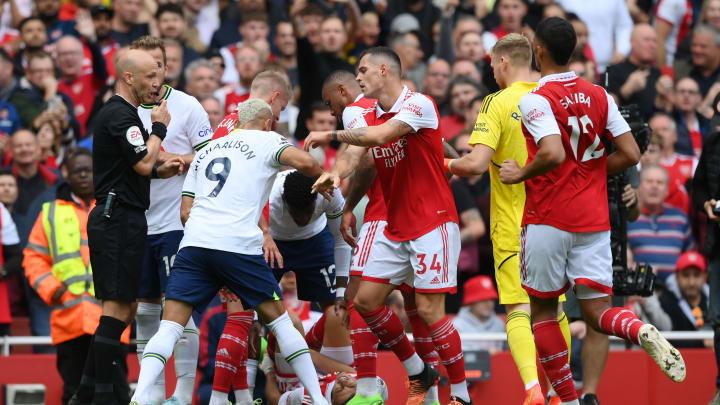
<point x="230" y="180"/>
<point x="188" y="131"/>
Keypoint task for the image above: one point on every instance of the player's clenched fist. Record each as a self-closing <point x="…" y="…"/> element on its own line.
<point x="160" y="113"/>
<point x="510" y="172"/>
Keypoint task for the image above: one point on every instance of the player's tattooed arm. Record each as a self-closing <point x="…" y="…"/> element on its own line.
<point x="373" y="136"/>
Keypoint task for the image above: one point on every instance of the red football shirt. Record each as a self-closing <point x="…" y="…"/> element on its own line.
<point x="680" y="168"/>
<point x="226" y="125"/>
<point x="234" y="96"/>
<point x="357" y="115"/>
<point x="410" y="170"/>
<point x="82" y="92"/>
<point x="572" y="196"/>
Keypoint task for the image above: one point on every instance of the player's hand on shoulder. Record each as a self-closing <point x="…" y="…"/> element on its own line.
<point x="510" y="172"/>
<point x="316" y="139"/>
<point x="348" y="229"/>
<point x="171" y="167"/>
<point x="326" y="184"/>
<point x="160" y="113"/>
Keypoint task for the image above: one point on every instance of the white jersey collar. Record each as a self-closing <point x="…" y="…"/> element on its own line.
<point x="557" y="77"/>
<point x="396" y="107"/>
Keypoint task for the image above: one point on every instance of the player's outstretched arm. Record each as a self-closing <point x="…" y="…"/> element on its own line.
<point x="301" y="160"/>
<point x="473" y="164"/>
<point x="185" y="206"/>
<point x="364" y="136"/>
<point x="550" y="155"/>
<point x="627" y="153"/>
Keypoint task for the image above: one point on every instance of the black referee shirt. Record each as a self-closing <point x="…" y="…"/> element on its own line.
<point x="118" y="144"/>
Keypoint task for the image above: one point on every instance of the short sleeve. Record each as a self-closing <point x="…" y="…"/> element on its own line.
<point x="278" y="144"/>
<point x="419" y="112"/>
<point x="352" y="117"/>
<point x="9" y="232"/>
<point x="336" y="205"/>
<point x="616" y="124"/>
<point x="188" y="189"/>
<point x="198" y="125"/>
<point x="538" y="117"/>
<point x="129" y="135"/>
<point x="670" y="11"/>
<point x="487" y="128"/>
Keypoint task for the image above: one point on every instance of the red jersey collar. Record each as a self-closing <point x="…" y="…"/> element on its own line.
<point x="396" y="107"/>
<point x="557" y="77"/>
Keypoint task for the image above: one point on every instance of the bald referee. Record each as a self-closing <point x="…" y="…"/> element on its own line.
<point x="125" y="158"/>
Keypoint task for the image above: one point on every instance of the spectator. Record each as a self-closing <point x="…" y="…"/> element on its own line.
<point x="679" y="168"/>
<point x="102" y="22"/>
<point x="466" y="68"/>
<point x="424" y="11"/>
<point x="201" y="79"/>
<point x="705" y="54"/>
<point x="8" y="81"/>
<point x="8" y="189"/>
<point x="248" y="64"/>
<point x="311" y="16"/>
<point x="436" y="82"/>
<point x="470" y="47"/>
<point x="473" y="111"/>
<point x="11" y="259"/>
<point x="49" y="13"/>
<point x="174" y="63"/>
<point x="633" y="81"/>
<point x="254" y="27"/>
<point x="477" y="314"/>
<point x="32" y="177"/>
<point x="287" y="50"/>
<point x="581" y="31"/>
<point x="368" y="34"/>
<point x="673" y="19"/>
<point x="213" y="109"/>
<point x="407" y="46"/>
<point x="34" y="38"/>
<point x="609" y="26"/>
<point x="583" y="67"/>
<point x="171" y="24"/>
<point x="202" y="18"/>
<point x="126" y="26"/>
<point x="41" y="92"/>
<point x="62" y="279"/>
<point x="691" y="125"/>
<point x="80" y="87"/>
<point x="460" y="92"/>
<point x="449" y="35"/>
<point x="662" y="232"/>
<point x="49" y="128"/>
<point x="512" y="14"/>
<point x="705" y="192"/>
<point x="687" y="296"/>
<point x="322" y="119"/>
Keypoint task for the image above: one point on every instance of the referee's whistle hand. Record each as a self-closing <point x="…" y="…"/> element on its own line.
<point x="171" y="167"/>
<point x="160" y="113"/>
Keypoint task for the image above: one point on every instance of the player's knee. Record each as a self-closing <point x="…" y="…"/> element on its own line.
<point x="364" y="303"/>
<point x="429" y="313"/>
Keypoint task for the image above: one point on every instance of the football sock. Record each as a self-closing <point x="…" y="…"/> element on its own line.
<point x="314" y="337"/>
<point x="432" y="395"/>
<point x="621" y="323"/>
<point x="232" y="352"/>
<point x="157" y="351"/>
<point x="574" y="402"/>
<point x="522" y="346"/>
<point x="421" y="338"/>
<point x="343" y="354"/>
<point x="389" y="329"/>
<point x="367" y="386"/>
<point x="447" y="343"/>
<point x="218" y="398"/>
<point x="108" y="357"/>
<point x="364" y="345"/>
<point x="186" y="357"/>
<point x="553" y="354"/>
<point x="243" y="397"/>
<point x="295" y="350"/>
<point x="147" y="321"/>
<point x="565" y="329"/>
<point x="251" y="370"/>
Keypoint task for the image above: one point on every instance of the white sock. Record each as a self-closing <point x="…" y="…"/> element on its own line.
<point x="218" y="398"/>
<point x="296" y="353"/>
<point x="531" y="384"/>
<point x="157" y="351"/>
<point x="414" y="365"/>
<point x="432" y="395"/>
<point x="343" y="354"/>
<point x="251" y="367"/>
<point x="147" y="320"/>
<point x="367" y="386"/>
<point x="573" y="402"/>
<point x="460" y="390"/>
<point x="243" y="397"/>
<point x="186" y="357"/>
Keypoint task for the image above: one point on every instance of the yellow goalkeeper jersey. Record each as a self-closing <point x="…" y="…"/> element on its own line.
<point x="499" y="127"/>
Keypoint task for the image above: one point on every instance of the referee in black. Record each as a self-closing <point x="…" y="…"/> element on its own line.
<point x="125" y="158"/>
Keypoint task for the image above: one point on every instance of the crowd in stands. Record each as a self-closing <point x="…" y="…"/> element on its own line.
<point x="57" y="62"/>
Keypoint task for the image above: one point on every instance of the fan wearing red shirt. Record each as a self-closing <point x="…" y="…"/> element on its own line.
<point x="407" y="147"/>
<point x="565" y="237"/>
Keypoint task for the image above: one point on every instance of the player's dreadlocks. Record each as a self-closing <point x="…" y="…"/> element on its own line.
<point x="298" y="192"/>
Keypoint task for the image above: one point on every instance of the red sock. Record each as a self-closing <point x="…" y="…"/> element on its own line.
<point x="621" y="323"/>
<point x="314" y="337"/>
<point x="424" y="345"/>
<point x="232" y="352"/>
<point x="446" y="340"/>
<point x="553" y="352"/>
<point x="389" y="329"/>
<point x="364" y="344"/>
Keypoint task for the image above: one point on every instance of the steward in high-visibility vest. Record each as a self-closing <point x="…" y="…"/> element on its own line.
<point x="57" y="266"/>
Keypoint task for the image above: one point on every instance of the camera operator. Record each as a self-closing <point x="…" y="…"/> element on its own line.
<point x="705" y="196"/>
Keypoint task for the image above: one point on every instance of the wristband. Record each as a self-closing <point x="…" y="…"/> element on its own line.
<point x="159" y="129"/>
<point x="154" y="173"/>
<point x="447" y="165"/>
<point x="340" y="292"/>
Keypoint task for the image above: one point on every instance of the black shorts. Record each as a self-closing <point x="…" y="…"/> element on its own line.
<point x="117" y="246"/>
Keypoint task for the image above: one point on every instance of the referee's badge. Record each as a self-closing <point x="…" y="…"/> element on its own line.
<point x="134" y="136"/>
